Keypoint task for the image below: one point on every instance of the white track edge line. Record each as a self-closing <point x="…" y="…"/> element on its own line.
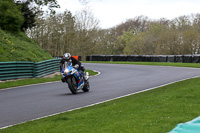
<point x="101" y="102"/>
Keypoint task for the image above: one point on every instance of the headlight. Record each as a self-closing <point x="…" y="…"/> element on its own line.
<point x="66" y="71"/>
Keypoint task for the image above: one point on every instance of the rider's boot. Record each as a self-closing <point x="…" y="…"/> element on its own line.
<point x="86" y="76"/>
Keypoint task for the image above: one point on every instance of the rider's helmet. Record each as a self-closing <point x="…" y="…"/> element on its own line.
<point x="66" y="56"/>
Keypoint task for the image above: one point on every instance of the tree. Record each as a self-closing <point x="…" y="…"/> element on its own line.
<point x="36" y="5"/>
<point x="28" y="14"/>
<point x="86" y="32"/>
<point x="56" y="33"/>
<point x="61" y="33"/>
<point x="33" y="8"/>
<point x="134" y="45"/>
<point x="11" y="17"/>
<point x="137" y="24"/>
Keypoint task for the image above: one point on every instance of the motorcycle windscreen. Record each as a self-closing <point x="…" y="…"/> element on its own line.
<point x="67" y="63"/>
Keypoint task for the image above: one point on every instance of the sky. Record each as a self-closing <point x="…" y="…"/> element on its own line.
<point x="113" y="12"/>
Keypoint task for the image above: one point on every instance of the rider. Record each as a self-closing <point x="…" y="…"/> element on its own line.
<point x="67" y="57"/>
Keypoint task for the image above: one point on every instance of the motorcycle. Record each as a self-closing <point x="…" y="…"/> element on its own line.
<point x="74" y="78"/>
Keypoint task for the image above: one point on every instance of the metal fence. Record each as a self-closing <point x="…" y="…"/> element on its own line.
<point x="20" y="69"/>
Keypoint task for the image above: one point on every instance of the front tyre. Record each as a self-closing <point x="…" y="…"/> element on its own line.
<point x="72" y="85"/>
<point x="86" y="87"/>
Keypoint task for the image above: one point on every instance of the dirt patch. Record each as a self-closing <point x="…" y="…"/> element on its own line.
<point x="52" y="75"/>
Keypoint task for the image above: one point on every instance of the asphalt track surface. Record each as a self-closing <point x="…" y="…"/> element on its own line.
<point x="22" y="104"/>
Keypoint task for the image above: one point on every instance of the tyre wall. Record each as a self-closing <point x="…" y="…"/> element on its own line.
<point x="146" y="58"/>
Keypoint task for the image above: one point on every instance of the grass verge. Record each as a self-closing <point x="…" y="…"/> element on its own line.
<point x="154" y="111"/>
<point x="194" y="65"/>
<point x="21" y="82"/>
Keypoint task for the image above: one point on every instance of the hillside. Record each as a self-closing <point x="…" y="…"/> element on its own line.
<point x="18" y="47"/>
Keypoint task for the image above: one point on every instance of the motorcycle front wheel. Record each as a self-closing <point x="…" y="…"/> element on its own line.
<point x="72" y="85"/>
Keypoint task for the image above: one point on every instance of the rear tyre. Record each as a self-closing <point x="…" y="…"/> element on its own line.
<point x="72" y="85"/>
<point x="86" y="87"/>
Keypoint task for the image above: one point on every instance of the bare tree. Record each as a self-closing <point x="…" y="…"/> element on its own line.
<point x="86" y="32"/>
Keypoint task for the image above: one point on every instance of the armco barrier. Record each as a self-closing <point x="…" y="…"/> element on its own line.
<point x="47" y="67"/>
<point x="146" y="58"/>
<point x="15" y="70"/>
<point x="19" y="69"/>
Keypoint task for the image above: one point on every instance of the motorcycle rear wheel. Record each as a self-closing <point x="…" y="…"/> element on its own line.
<point x="72" y="85"/>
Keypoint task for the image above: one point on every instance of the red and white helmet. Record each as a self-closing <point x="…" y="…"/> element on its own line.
<point x="67" y="56"/>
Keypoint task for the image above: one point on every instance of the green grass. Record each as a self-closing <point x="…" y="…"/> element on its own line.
<point x="154" y="111"/>
<point x="18" y="47"/>
<point x="91" y="72"/>
<point x="29" y="81"/>
<point x="194" y="65"/>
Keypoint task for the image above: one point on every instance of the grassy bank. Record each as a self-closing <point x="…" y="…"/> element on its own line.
<point x="154" y="111"/>
<point x="30" y="81"/>
<point x="18" y="47"/>
<point x="194" y="65"/>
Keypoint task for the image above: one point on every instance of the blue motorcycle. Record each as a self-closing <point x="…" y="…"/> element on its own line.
<point x="74" y="78"/>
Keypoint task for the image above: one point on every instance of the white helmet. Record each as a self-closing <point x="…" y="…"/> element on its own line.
<point x="67" y="56"/>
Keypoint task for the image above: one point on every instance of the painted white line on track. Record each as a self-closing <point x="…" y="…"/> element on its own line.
<point x="96" y="74"/>
<point x="102" y="101"/>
